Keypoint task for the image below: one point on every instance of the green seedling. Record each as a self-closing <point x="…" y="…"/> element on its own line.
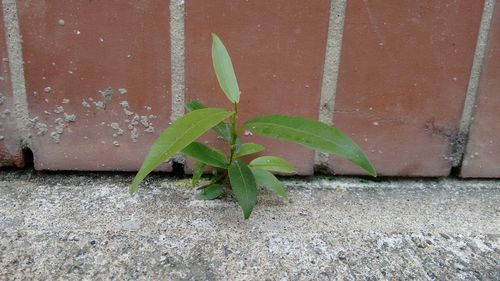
<point x="230" y="173"/>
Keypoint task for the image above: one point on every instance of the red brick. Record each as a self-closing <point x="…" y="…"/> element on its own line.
<point x="483" y="150"/>
<point x="10" y="142"/>
<point x="74" y="49"/>
<point x="403" y="77"/>
<point x="277" y="48"/>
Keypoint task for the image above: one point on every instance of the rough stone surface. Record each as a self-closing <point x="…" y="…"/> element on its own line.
<point x="87" y="227"/>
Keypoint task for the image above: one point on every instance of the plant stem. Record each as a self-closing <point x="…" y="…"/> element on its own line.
<point x="234" y="132"/>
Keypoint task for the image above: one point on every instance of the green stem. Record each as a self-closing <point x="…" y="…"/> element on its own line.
<point x="234" y="132"/>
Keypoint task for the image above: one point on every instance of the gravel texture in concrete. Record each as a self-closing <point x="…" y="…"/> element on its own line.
<point x="87" y="227"/>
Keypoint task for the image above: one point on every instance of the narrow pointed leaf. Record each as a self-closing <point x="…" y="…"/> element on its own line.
<point x="176" y="137"/>
<point x="198" y="171"/>
<point x="224" y="70"/>
<point x="272" y="163"/>
<point x="207" y="155"/>
<point x="211" y="192"/>
<point x="249" y="148"/>
<point x="269" y="181"/>
<point x="222" y="129"/>
<point x="312" y="134"/>
<point x="243" y="185"/>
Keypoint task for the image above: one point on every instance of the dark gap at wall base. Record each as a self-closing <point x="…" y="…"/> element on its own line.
<point x="28" y="158"/>
<point x="178" y="170"/>
<point x="455" y="172"/>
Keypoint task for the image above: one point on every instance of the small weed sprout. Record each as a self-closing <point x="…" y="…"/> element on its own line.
<point x="229" y="170"/>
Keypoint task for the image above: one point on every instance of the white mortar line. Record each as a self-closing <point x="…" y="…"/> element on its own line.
<point x="477" y="64"/>
<point x="16" y="68"/>
<point x="177" y="65"/>
<point x="177" y="57"/>
<point x="331" y="69"/>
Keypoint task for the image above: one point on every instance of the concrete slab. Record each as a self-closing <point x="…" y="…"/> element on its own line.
<point x="87" y="227"/>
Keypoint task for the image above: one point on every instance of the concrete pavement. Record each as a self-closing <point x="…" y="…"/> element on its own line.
<point x="85" y="226"/>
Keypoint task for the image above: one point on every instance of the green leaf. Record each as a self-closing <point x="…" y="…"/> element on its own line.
<point x="243" y="185"/>
<point x="249" y="148"/>
<point x="207" y="155"/>
<point x="224" y="70"/>
<point x="210" y="192"/>
<point x="272" y="163"/>
<point x="312" y="134"/>
<point x="194" y="105"/>
<point x="269" y="181"/>
<point x="176" y="137"/>
<point x="198" y="171"/>
<point x="222" y="129"/>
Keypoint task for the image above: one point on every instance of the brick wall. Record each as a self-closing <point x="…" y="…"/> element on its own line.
<point x="89" y="85"/>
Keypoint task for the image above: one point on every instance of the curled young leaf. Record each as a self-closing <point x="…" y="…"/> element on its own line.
<point x="312" y="134"/>
<point x="176" y="137"/>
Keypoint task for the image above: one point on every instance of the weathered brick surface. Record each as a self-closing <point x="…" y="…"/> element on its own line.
<point x="98" y="80"/>
<point x="483" y="149"/>
<point x="10" y="149"/>
<point x="277" y="48"/>
<point x="404" y="71"/>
